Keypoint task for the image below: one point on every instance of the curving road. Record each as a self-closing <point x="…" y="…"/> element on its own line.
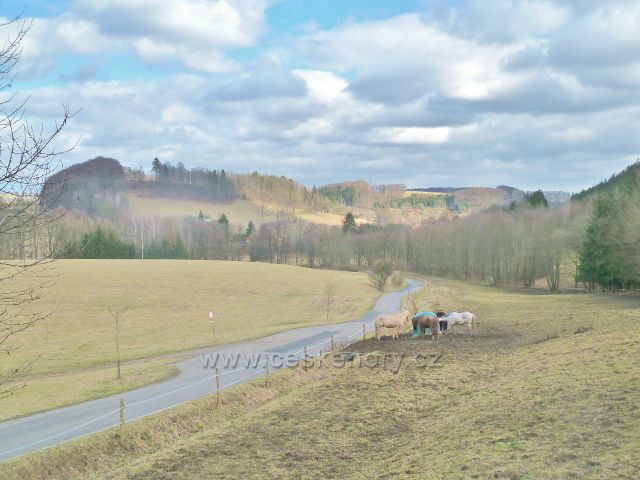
<point x="196" y="378"/>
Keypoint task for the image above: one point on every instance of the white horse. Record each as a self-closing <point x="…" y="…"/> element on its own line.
<point x="461" y="318"/>
<point x="396" y="322"/>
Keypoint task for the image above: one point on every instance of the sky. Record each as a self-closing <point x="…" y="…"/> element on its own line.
<point x="532" y="94"/>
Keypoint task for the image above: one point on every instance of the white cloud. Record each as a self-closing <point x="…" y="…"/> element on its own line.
<point x="505" y="20"/>
<point x="195" y="33"/>
<point x="414" y="135"/>
<point x="178" y="113"/>
<point x="325" y="87"/>
<point x="210" y="22"/>
<point x="403" y="58"/>
<point x="487" y="93"/>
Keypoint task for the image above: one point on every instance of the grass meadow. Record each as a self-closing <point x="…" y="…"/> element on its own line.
<point x="167" y="304"/>
<point x="549" y="388"/>
<point x="239" y="212"/>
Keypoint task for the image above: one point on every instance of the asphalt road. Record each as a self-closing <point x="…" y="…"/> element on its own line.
<point x="196" y="378"/>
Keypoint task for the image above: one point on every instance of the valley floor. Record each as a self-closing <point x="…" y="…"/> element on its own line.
<point x="549" y="388"/>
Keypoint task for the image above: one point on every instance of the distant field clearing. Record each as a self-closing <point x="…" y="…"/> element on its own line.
<point x="330" y="219"/>
<point x="167" y="302"/>
<point x="411" y="193"/>
<point x="238" y="212"/>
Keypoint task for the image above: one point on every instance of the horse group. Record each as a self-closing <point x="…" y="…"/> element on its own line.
<point x="436" y="322"/>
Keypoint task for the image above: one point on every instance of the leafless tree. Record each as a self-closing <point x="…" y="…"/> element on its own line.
<point x="379" y="275"/>
<point x="330" y="290"/>
<point x="116" y="314"/>
<point x="27" y="157"/>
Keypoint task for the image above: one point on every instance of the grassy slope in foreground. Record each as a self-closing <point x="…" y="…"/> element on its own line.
<point x="529" y="397"/>
<point x="168" y="302"/>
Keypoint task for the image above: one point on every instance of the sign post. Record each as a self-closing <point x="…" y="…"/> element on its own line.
<point x="213" y="327"/>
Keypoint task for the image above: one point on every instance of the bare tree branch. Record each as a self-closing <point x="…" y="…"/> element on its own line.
<point x="27" y="157"/>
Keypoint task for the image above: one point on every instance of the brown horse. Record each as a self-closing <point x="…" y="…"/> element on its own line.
<point x="425" y="322"/>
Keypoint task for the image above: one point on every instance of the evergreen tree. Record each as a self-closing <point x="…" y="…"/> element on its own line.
<point x="349" y="223"/>
<point x="537" y="199"/>
<point x="223" y="220"/>
<point x="180" y="250"/>
<point x="156" y="167"/>
<point x="100" y="244"/>
<point x="610" y="251"/>
<point x="250" y="228"/>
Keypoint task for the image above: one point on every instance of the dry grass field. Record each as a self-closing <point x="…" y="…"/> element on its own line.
<point x="413" y="216"/>
<point x="239" y="212"/>
<point x="168" y="302"/>
<point x="549" y="388"/>
<point x="331" y="219"/>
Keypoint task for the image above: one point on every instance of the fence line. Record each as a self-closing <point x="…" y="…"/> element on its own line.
<point x="184" y="387"/>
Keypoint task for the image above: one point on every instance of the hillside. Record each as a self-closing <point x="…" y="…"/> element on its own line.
<point x="102" y="189"/>
<point x="239" y="212"/>
<point x="95" y="186"/>
<point x="626" y="181"/>
<point x="165" y="305"/>
<point x="520" y="402"/>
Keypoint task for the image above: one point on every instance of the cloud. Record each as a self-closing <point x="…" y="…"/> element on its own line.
<point x="263" y="81"/>
<point x="83" y="73"/>
<point x="195" y="33"/>
<point x="403" y="58"/>
<point x="215" y="23"/>
<point x="502" y="21"/>
<point x="414" y="135"/>
<point x="481" y="93"/>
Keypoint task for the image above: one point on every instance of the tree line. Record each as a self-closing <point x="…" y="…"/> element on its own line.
<point x="598" y="246"/>
<point x="594" y="238"/>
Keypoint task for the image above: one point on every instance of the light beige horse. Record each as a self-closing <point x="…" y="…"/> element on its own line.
<point x="463" y="318"/>
<point x="396" y="322"/>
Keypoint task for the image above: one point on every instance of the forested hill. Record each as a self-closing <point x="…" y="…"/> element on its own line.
<point x="101" y="187"/>
<point x="626" y="181"/>
<point x="94" y="186"/>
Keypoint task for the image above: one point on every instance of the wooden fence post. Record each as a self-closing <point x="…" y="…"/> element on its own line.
<point x="122" y="411"/>
<point x="218" y="400"/>
<point x="364" y="332"/>
<point x="304" y="360"/>
<point x="333" y="346"/>
<point x="267" y="357"/>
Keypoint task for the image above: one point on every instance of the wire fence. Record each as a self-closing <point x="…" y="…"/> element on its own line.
<point x="260" y="369"/>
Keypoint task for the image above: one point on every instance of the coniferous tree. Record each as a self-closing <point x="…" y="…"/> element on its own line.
<point x="180" y="250"/>
<point x="349" y="223"/>
<point x="537" y="199"/>
<point x="250" y="228"/>
<point x="156" y="167"/>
